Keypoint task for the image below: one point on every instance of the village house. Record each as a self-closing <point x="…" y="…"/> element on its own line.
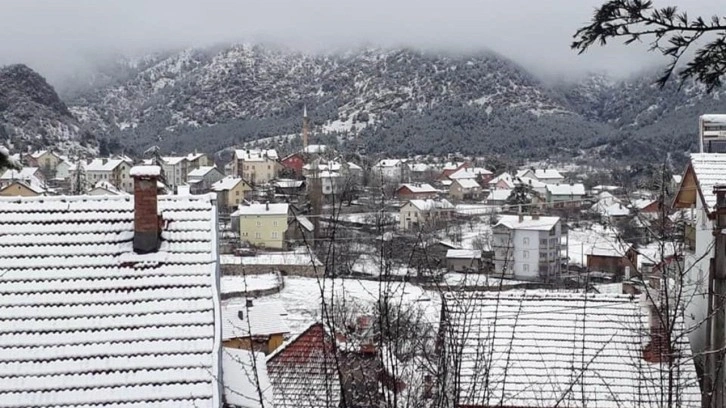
<point x="498" y="197"/>
<point x="563" y="350"/>
<point x="390" y="170"/>
<point x="450" y="168"/>
<point x="255" y="165"/>
<point x="417" y="214"/>
<point x="175" y="170"/>
<point x="463" y="260"/>
<point x="696" y="196"/>
<point x="548" y="176"/>
<point x="111" y="287"/>
<point x="264" y="225"/>
<point x="46" y="160"/>
<point x="289" y="187"/>
<point x="479" y="174"/>
<point x="294" y="164"/>
<point x="103" y="187"/>
<point x="416" y="191"/>
<point x="565" y="195"/>
<point x="504" y="181"/>
<point x="29" y="175"/>
<point x="465" y="189"/>
<point x="422" y="172"/>
<point x="252" y="325"/>
<point x="618" y="259"/>
<point x="196" y="160"/>
<point x="533" y="184"/>
<point x="22" y="189"/>
<point x="231" y="192"/>
<point x="115" y="171"/>
<point x="527" y="247"/>
<point x="201" y="179"/>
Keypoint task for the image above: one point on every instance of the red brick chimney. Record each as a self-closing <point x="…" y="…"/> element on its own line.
<point x="658" y="349"/>
<point x="147" y="222"/>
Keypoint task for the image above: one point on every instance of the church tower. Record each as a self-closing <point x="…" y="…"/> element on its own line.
<point x="306" y="128"/>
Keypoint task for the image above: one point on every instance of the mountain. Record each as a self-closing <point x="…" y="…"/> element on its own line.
<point x="394" y="101"/>
<point x="32" y="114"/>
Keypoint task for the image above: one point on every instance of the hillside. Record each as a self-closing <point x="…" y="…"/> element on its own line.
<point x="398" y="101"/>
<point x="32" y="115"/>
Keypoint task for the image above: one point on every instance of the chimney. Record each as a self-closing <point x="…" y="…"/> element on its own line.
<point x="104" y="160"/>
<point x="241" y="314"/>
<point x="658" y="349"/>
<point x="249" y="303"/>
<point x="535" y="215"/>
<point x="147" y="222"/>
<point x="267" y="206"/>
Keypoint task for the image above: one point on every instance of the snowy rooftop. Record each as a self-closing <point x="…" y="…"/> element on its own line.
<point x="528" y="222"/>
<point x="430" y="205"/>
<point x="255" y="154"/>
<point x="26" y="173"/>
<point x="145" y="171"/>
<point x="288" y="183"/>
<point x="245" y="374"/>
<point x="467" y="183"/>
<point x="200" y="172"/>
<point x="264" y="209"/>
<point x="226" y="183"/>
<point x="566" y="189"/>
<point x="543" y="349"/>
<point x="263" y="318"/>
<point x="469" y="173"/>
<point x="499" y="195"/>
<point x="419" y="188"/>
<point x="173" y="160"/>
<point x="463" y="254"/>
<point x="714" y="118"/>
<point x="548" y="174"/>
<point x="88" y="322"/>
<point x="389" y="163"/>
<point x="505" y="178"/>
<point x="710" y="169"/>
<point x="103" y="165"/>
<point x="298" y="257"/>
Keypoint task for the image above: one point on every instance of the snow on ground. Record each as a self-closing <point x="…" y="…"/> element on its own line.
<point x="302" y="297"/>
<point x="582" y="240"/>
<point x="470" y="232"/>
<point x="369" y="264"/>
<point x="476" y="209"/>
<point x="246" y="283"/>
<point x="474" y="279"/>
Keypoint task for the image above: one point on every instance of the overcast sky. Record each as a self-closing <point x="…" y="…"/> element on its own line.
<point x="59" y="36"/>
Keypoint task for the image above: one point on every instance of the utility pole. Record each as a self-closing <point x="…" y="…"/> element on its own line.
<point x="717" y="301"/>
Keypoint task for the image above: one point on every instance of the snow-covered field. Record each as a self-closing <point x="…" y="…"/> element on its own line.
<point x="302" y="297"/>
<point x="247" y="283"/>
<point x="475" y="279"/>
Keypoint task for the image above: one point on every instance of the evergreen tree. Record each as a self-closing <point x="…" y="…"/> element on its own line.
<point x="80" y="179"/>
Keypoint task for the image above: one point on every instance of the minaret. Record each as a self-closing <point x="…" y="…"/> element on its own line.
<point x="306" y="127"/>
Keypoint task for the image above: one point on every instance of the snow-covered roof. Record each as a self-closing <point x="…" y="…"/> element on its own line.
<point x="298" y="258"/>
<point x="467" y="183"/>
<point x="244" y="375"/>
<point x="389" y="163"/>
<point x="420" y="167"/>
<point x="463" y="254"/>
<point x="710" y="169"/>
<point x="419" y="188"/>
<point x="201" y="171"/>
<point x="610" y="249"/>
<point x="145" y="171"/>
<point x="103" y="165"/>
<point x="108" y="187"/>
<point x="643" y="203"/>
<point x="558" y="349"/>
<point x="504" y="177"/>
<point x="26" y="173"/>
<point x="677" y="178"/>
<point x="532" y="182"/>
<point x="264" y="209"/>
<point x="88" y="322"/>
<point x="255" y="154"/>
<point x="194" y="156"/>
<point x="315" y="149"/>
<point x="528" y="222"/>
<point x="288" y="183"/>
<point x="548" y="174"/>
<point x="226" y="183"/>
<point x="714" y="118"/>
<point x="430" y="205"/>
<point x="173" y="160"/>
<point x="260" y="319"/>
<point x="469" y="173"/>
<point x="305" y="223"/>
<point x="499" y="195"/>
<point x="576" y="190"/>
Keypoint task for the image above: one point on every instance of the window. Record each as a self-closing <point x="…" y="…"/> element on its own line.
<point x="258" y="235"/>
<point x="268" y="167"/>
<point x="275" y="235"/>
<point x="244" y="234"/>
<point x="525" y="254"/>
<point x="236" y="193"/>
<point x="525" y="241"/>
<point x="259" y="224"/>
<point x="525" y="268"/>
<point x="543" y="242"/>
<point x="274" y="223"/>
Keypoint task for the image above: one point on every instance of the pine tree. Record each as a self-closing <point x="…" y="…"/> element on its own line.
<point x="80" y="179"/>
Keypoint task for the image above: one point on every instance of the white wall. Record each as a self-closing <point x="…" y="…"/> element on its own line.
<point x="526" y="254"/>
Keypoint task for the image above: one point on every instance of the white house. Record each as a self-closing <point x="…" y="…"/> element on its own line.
<point x="115" y="171"/>
<point x="395" y="170"/>
<point x="422" y="213"/>
<point x="527" y="247"/>
<point x="201" y="179"/>
<point x="504" y="181"/>
<point x="565" y="195"/>
<point x="695" y="195"/>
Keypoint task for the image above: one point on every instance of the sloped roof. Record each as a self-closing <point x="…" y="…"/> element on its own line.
<point x="505" y="177"/>
<point x="101" y="165"/>
<point x="288" y="183"/>
<point x="499" y="195"/>
<point x="305" y="222"/>
<point x="245" y="373"/>
<point x="429" y="205"/>
<point x="557" y="349"/>
<point x="566" y="189"/>
<point x="419" y="188"/>
<point x="547" y="174"/>
<point x="467" y="183"/>
<point x="90" y="323"/>
<point x="541" y="223"/>
<point x="173" y="160"/>
<point x="260" y="319"/>
<point x="37" y="189"/>
<point x="201" y="171"/>
<point x="469" y="173"/>
<point x="303" y="371"/>
<point x="264" y="209"/>
<point x="226" y="183"/>
<point x="255" y="154"/>
<point x="463" y="254"/>
<point x="26" y="173"/>
<point x="389" y="163"/>
<point x="710" y="170"/>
